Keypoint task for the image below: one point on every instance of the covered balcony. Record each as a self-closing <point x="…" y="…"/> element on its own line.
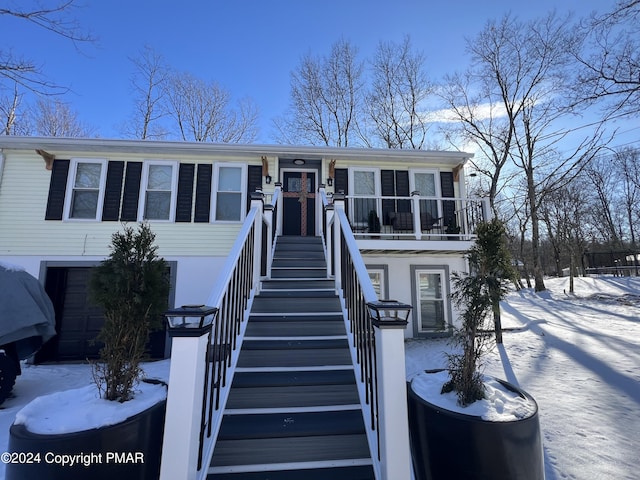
<point x="415" y="223"/>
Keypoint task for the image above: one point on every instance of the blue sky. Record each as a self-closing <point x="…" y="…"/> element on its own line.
<point x="248" y="46"/>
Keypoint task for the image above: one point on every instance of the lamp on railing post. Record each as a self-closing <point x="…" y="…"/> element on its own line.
<point x="189" y="329"/>
<point x="390" y="318"/>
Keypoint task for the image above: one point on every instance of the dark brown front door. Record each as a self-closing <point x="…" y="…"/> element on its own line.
<point x="299" y="201"/>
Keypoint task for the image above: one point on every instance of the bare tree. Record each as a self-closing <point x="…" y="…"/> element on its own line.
<point x="399" y="89"/>
<point x="202" y="111"/>
<point x="487" y="98"/>
<point x="610" y="59"/>
<point x="520" y="72"/>
<point x="326" y="95"/>
<point x="51" y="15"/>
<point x="149" y="86"/>
<point x="9" y="111"/>
<point x="54" y="118"/>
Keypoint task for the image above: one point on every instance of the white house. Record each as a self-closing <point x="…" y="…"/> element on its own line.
<point x="61" y="199"/>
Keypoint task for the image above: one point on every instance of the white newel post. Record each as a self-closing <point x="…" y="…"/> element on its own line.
<point x="257" y="200"/>
<point x="417" y="224"/>
<point x="338" y="204"/>
<point x="268" y="220"/>
<point x="395" y="458"/>
<point x="184" y="407"/>
<point x="327" y="238"/>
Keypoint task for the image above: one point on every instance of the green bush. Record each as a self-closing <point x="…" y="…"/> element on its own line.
<point x="132" y="287"/>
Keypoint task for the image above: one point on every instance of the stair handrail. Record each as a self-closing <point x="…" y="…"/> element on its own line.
<point x="377" y="351"/>
<point x="197" y="411"/>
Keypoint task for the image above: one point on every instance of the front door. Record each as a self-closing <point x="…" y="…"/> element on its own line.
<point x="299" y="202"/>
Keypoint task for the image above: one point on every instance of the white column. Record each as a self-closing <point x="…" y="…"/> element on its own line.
<point x="338" y="204"/>
<point x="417" y="226"/>
<point x="268" y="220"/>
<point x="395" y="454"/>
<point x="257" y="200"/>
<point x="184" y="408"/>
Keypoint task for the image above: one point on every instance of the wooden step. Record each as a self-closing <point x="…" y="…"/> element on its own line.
<point x="293" y="358"/>
<point x="287" y="450"/>
<point x="351" y="472"/>
<point x="299" y="263"/>
<point x="283" y="284"/>
<point x="293" y="389"/>
<point x="297" y="305"/>
<point x="293" y="378"/>
<point x="304" y="273"/>
<point x="281" y="425"/>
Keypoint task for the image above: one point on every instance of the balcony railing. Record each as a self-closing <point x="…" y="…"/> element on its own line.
<point x="416" y="217"/>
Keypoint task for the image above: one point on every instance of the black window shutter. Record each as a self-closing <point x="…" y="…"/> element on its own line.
<point x="402" y="190"/>
<point x="57" y="188"/>
<point x="131" y="194"/>
<point x="342" y="180"/>
<point x="113" y="192"/>
<point x="388" y="189"/>
<point x="185" y="192"/>
<point x="203" y="193"/>
<point x="254" y="180"/>
<point x="446" y="184"/>
<point x="448" y="207"/>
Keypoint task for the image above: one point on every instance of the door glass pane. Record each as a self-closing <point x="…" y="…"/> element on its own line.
<point x="230" y="179"/>
<point x="294" y="184"/>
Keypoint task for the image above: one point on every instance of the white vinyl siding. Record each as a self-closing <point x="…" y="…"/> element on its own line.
<point x="85" y="189"/>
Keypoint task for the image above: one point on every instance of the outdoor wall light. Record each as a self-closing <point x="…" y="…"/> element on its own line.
<point x="267" y="179"/>
<point x="299" y="161"/>
<point x="330" y="181"/>
<point x="389" y="313"/>
<point x="190" y="320"/>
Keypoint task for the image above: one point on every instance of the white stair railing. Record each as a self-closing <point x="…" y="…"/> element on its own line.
<point x="202" y="367"/>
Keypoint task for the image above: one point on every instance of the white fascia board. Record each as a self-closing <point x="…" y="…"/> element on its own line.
<point x="57" y="145"/>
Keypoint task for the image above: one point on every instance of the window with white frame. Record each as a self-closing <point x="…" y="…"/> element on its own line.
<point x="229" y="199"/>
<point x="85" y="188"/>
<point x="159" y="191"/>
<point x="425" y="182"/>
<point x="364" y="183"/>
<point x="378" y="275"/>
<point x="431" y="296"/>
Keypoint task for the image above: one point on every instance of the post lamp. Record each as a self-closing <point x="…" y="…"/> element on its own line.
<point x="389" y="318"/>
<point x="190" y="320"/>
<point x="389" y="313"/>
<point x="190" y="332"/>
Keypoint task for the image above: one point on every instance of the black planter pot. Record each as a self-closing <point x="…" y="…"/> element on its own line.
<point x="128" y="450"/>
<point x="447" y="445"/>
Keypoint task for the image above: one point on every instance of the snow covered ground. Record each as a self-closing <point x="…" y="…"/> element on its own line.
<point x="578" y="355"/>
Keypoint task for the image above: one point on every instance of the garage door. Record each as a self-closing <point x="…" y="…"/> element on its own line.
<point x="78" y="322"/>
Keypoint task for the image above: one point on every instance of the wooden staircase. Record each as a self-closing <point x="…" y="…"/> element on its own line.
<point x="293" y="410"/>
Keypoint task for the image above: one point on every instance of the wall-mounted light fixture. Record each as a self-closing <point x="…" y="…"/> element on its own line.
<point x="298" y="161"/>
<point x="265" y="170"/>
<point x="332" y="172"/>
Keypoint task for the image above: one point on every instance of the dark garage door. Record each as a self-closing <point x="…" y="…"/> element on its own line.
<point x="78" y="322"/>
